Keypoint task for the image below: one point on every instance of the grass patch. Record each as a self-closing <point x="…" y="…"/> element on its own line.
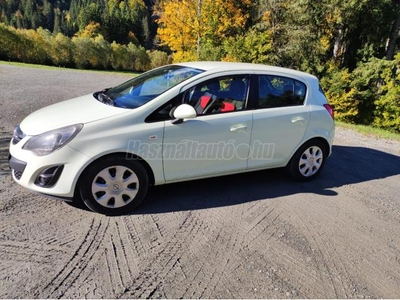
<point x="19" y="64"/>
<point x="370" y="131"/>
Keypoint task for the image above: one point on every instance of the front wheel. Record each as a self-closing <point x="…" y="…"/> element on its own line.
<point x="114" y="185"/>
<point x="308" y="161"/>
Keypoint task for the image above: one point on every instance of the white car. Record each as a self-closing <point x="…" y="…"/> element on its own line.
<point x="174" y="123"/>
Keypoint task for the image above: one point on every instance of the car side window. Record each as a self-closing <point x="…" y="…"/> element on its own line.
<point x="219" y="95"/>
<point x="278" y="91"/>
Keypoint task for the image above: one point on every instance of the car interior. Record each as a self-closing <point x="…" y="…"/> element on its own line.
<point x="219" y="96"/>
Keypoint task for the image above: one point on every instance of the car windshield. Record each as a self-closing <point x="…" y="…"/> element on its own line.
<point x="144" y="88"/>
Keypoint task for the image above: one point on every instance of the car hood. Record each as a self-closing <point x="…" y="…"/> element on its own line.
<point x="83" y="110"/>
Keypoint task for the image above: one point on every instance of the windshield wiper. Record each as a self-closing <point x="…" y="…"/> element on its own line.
<point x="103" y="97"/>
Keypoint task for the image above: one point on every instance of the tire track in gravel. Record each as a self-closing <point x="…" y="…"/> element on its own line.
<point x="133" y="236"/>
<point x="262" y="249"/>
<point x="385" y="260"/>
<point x="264" y="252"/>
<point x="35" y="246"/>
<point x="5" y="139"/>
<point x="40" y="230"/>
<point x="113" y="267"/>
<point x="219" y="247"/>
<point x="149" y="283"/>
<point x="34" y="252"/>
<point x="210" y="256"/>
<point x="328" y="272"/>
<point x="339" y="257"/>
<point x="258" y="222"/>
<point x="234" y="227"/>
<point x="121" y="260"/>
<point x="85" y="254"/>
<point x="147" y="234"/>
<point x="212" y="251"/>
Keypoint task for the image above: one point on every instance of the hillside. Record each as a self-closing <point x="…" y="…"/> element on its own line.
<point x="121" y="21"/>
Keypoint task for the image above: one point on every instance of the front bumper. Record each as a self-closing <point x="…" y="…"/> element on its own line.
<point x="17" y="166"/>
<point x="55" y="174"/>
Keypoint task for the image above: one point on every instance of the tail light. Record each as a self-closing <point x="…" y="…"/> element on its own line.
<point x="330" y="110"/>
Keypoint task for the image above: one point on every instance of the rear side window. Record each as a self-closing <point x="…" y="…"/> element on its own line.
<point x="278" y="91"/>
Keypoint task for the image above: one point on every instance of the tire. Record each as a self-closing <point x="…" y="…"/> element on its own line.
<point x="308" y="161"/>
<point x="114" y="185"/>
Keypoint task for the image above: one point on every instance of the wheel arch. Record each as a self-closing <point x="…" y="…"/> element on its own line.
<point x="127" y="156"/>
<point x="324" y="141"/>
<point x="307" y="171"/>
<point x="317" y="138"/>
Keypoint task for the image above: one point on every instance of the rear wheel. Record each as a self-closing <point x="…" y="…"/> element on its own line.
<point x="308" y="161"/>
<point x="114" y="185"/>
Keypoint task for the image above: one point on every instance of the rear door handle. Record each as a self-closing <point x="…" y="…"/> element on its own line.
<point x="238" y="128"/>
<point x="298" y="120"/>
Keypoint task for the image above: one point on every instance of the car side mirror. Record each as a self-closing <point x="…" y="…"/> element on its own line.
<point x="182" y="112"/>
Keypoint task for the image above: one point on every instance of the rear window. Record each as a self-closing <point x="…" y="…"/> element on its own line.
<point x="278" y="91"/>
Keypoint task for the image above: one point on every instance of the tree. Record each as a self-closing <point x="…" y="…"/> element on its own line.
<point x="253" y="47"/>
<point x="158" y="59"/>
<point x="387" y="110"/>
<point x="120" y="57"/>
<point x="225" y="18"/>
<point x="139" y="57"/>
<point x="366" y="80"/>
<point x="181" y="28"/>
<point x="361" y="25"/>
<point x="85" y="53"/>
<point x="11" y="44"/>
<point x="185" y="26"/>
<point x="57" y="21"/>
<point x="394" y="33"/>
<point x="91" y="30"/>
<point x="63" y="49"/>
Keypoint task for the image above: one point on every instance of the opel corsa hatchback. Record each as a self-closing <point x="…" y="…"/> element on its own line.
<point x="174" y="123"/>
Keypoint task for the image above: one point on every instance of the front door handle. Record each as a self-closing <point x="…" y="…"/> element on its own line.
<point x="239" y="128"/>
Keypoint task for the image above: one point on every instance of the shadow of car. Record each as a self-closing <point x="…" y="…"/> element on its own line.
<point x="347" y="165"/>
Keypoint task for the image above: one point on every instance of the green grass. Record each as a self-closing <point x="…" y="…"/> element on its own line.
<point x="370" y="131"/>
<point x="125" y="73"/>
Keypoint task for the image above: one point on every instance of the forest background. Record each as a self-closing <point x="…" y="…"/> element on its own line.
<point x="351" y="45"/>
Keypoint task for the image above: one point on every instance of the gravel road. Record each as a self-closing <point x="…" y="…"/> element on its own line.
<point x="257" y="235"/>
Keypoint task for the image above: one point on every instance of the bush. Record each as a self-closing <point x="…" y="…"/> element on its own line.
<point x="337" y="85"/>
<point x="139" y="57"/>
<point x="366" y="80"/>
<point x="62" y="51"/>
<point x="120" y="57"/>
<point x="253" y="47"/>
<point x="387" y="106"/>
<point x="158" y="59"/>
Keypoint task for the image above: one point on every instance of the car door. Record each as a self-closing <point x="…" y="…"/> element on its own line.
<point x="280" y="121"/>
<point x="215" y="142"/>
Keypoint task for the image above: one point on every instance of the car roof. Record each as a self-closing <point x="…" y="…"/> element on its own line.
<point x="235" y="66"/>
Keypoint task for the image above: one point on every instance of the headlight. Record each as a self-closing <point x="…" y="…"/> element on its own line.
<point x="50" y="141"/>
<point x="18" y="135"/>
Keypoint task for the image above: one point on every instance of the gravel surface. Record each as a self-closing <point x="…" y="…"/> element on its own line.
<point x="255" y="235"/>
